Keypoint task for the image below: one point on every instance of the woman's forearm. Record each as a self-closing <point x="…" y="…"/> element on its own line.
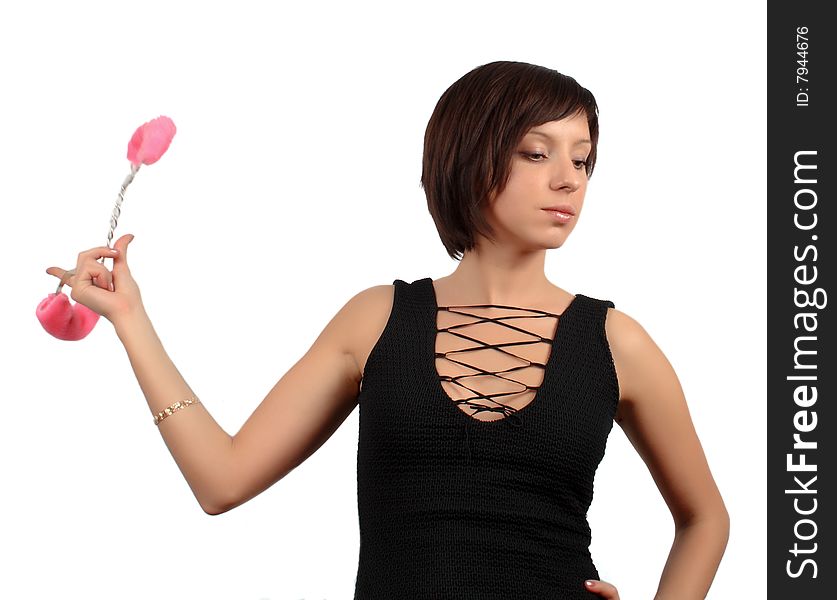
<point x="200" y="447"/>
<point x="694" y="558"/>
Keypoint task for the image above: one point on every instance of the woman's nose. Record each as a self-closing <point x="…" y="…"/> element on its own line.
<point x="567" y="177"/>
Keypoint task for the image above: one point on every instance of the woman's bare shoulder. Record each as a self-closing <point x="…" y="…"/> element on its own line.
<point x="366" y="316"/>
<point x="636" y="357"/>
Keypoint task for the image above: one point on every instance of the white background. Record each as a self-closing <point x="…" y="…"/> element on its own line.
<point x="291" y="185"/>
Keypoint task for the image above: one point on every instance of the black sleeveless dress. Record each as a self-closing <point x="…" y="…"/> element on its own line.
<point x="452" y="507"/>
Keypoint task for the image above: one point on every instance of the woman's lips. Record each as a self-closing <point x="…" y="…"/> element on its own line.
<point x="559" y="216"/>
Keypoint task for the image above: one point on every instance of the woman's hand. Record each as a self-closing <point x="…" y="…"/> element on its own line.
<point x="603" y="589"/>
<point x="110" y="294"/>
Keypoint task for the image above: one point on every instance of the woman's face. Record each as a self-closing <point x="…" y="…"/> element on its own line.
<point x="548" y="169"/>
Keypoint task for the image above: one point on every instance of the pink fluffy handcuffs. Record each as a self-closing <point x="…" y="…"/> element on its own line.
<point x="73" y="322"/>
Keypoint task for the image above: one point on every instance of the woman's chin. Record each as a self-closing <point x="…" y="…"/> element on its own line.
<point x="556" y="240"/>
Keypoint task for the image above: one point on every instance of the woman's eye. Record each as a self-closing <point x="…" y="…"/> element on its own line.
<point x="537" y="156"/>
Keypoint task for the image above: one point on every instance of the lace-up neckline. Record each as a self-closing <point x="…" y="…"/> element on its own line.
<point x="483" y="403"/>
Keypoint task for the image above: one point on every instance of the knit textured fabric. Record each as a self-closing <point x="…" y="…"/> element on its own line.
<point x="454" y="507"/>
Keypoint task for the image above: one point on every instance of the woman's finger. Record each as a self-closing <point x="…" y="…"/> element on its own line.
<point x="602" y="588"/>
<point x="120" y="260"/>
<point x="56" y="271"/>
<point x="97" y="253"/>
<point x="94" y="272"/>
<point x="102" y="280"/>
<point x="64" y="276"/>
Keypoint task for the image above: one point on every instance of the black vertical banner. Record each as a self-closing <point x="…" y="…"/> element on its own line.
<point x="801" y="361"/>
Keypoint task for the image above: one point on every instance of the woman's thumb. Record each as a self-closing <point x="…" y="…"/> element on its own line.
<point x="122" y="246"/>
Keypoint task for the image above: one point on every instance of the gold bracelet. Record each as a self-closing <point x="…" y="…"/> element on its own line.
<point x="174" y="408"/>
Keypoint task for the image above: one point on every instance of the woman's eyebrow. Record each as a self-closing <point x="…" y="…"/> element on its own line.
<point x="549" y="137"/>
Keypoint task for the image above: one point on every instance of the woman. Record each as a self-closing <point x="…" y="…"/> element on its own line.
<point x="485" y="397"/>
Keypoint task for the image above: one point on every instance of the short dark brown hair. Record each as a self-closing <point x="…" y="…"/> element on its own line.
<point x="472" y="134"/>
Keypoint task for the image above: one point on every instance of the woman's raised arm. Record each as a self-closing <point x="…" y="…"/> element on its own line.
<point x="298" y="415"/>
<point x="304" y="408"/>
<point x="309" y="402"/>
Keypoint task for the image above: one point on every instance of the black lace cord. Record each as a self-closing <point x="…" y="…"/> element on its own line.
<point x="510" y="412"/>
